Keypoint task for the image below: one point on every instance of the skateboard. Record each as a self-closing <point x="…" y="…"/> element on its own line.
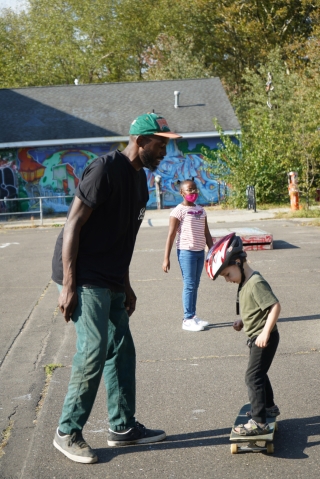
<point x="252" y="445"/>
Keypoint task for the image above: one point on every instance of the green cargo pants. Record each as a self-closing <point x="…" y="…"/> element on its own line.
<point x="104" y="347"/>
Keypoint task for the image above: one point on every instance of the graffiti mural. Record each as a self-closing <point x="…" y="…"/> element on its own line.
<point x="54" y="173"/>
<point x="184" y="160"/>
<point x="10" y="185"/>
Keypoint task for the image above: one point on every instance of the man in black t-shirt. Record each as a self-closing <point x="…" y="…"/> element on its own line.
<point x="91" y="268"/>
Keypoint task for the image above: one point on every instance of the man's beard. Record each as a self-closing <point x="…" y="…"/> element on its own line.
<point x="148" y="160"/>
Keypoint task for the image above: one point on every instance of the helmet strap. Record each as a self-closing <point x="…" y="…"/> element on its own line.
<point x="240" y="285"/>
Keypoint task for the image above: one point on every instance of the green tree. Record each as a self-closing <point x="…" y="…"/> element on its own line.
<point x="168" y="60"/>
<point x="67" y="41"/>
<point x="267" y="148"/>
<point x="230" y="36"/>
<point x="97" y="41"/>
<point x="13" y="47"/>
<point x="306" y="126"/>
<point x="120" y="40"/>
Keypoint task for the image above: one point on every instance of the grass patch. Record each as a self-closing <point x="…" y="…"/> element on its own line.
<point x="222" y="206"/>
<point x="260" y="206"/>
<point x="49" y="369"/>
<point x="272" y="206"/>
<point x="315" y="222"/>
<point x="5" y="437"/>
<point x="303" y="213"/>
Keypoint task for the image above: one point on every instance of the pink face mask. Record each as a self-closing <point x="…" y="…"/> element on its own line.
<point x="191" y="197"/>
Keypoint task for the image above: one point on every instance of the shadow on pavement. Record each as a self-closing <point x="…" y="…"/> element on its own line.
<point x="280" y="320"/>
<point x="293" y="435"/>
<point x="299" y="318"/>
<point x="291" y="440"/>
<point x="177" y="441"/>
<point x="219" y="325"/>
<point x="280" y="244"/>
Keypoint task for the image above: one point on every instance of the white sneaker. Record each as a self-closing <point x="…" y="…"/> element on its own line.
<point x="191" y="325"/>
<point x="200" y="321"/>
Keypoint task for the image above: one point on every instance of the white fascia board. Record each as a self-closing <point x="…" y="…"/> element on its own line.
<point x="210" y="134"/>
<point x="69" y="141"/>
<point x="106" y="139"/>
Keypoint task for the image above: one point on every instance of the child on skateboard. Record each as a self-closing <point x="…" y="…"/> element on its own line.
<point x="260" y="310"/>
<point x="190" y="222"/>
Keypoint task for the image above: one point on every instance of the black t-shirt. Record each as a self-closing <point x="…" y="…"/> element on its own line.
<point x="118" y="195"/>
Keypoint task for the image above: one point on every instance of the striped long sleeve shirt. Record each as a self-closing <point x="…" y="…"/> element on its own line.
<point x="191" y="231"/>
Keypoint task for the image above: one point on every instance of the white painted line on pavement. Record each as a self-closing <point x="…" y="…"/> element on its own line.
<point x="26" y="396"/>
<point x="4" y="245"/>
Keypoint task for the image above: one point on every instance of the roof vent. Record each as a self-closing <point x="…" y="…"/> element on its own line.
<point x="176" y="99"/>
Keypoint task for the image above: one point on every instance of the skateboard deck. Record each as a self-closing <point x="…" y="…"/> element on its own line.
<point x="265" y="441"/>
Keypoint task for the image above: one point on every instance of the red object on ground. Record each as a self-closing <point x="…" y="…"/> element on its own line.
<point x="253" y="239"/>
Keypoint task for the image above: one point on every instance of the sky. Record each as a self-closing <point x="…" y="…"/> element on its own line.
<point x="15" y="4"/>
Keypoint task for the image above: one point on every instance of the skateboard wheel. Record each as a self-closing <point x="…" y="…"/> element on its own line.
<point x="234" y="448"/>
<point x="270" y="448"/>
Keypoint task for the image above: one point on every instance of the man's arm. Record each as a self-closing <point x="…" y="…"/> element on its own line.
<point x="78" y="216"/>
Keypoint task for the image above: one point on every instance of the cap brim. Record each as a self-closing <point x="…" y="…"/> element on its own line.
<point x="168" y="134"/>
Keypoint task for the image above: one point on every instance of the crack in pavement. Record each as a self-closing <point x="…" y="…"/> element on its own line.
<point x="25" y="323"/>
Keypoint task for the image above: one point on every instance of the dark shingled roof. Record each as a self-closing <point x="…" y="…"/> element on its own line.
<point x="102" y="110"/>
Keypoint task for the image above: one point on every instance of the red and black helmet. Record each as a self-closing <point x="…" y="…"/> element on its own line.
<point x="223" y="253"/>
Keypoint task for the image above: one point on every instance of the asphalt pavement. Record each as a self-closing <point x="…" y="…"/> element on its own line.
<point x="190" y="384"/>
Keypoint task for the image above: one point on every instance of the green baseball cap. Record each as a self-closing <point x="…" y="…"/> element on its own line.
<point x="151" y="124"/>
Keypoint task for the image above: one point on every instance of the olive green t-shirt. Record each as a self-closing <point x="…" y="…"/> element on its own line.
<point x="256" y="298"/>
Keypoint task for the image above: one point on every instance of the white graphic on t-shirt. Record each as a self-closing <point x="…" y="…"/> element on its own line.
<point x="141" y="214"/>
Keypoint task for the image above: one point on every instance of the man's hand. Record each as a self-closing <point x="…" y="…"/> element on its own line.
<point x="67" y="302"/>
<point x="238" y="325"/>
<point x="262" y="340"/>
<point x="131" y="299"/>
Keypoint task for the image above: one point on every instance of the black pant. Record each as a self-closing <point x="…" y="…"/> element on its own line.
<point x="259" y="386"/>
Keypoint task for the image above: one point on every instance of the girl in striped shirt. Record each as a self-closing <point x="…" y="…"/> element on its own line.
<point x="189" y="222"/>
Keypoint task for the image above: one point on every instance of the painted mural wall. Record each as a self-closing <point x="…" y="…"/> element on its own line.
<point x="54" y="173"/>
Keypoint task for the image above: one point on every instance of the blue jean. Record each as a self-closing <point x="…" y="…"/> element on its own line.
<point x="191" y="264"/>
<point x="104" y="348"/>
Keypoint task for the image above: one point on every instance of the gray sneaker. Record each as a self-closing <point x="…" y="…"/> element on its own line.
<point x="137" y="434"/>
<point x="75" y="447"/>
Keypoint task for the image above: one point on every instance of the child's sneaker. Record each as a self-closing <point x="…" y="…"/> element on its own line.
<point x="191" y="325"/>
<point x="200" y="321"/>
<point x="273" y="411"/>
